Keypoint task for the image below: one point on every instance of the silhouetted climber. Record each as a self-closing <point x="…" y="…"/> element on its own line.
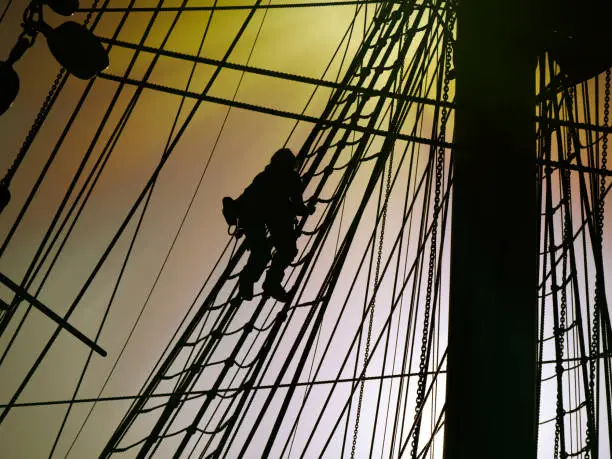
<point x="272" y="201"/>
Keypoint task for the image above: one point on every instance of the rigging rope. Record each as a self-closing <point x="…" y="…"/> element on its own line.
<point x="136" y="232"/>
<point x="372" y="306"/>
<point x="221" y="130"/>
<point x="425" y="342"/>
<point x="125" y="222"/>
<point x="234" y="408"/>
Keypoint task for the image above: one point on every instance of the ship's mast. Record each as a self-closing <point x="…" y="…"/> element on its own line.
<point x="491" y="385"/>
<point x="319" y="375"/>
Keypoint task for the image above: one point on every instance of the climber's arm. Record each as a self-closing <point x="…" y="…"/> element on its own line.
<point x="297" y="199"/>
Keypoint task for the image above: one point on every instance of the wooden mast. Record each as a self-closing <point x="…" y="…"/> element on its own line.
<point x="491" y="404"/>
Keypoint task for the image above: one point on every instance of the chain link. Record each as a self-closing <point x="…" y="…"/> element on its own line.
<point x="394" y="16"/>
<point x="6" y="181"/>
<point x="373" y="301"/>
<point x="434" y="239"/>
<point x="594" y="345"/>
<point x="560" y="333"/>
<point x="372" y="304"/>
<point x="33" y="14"/>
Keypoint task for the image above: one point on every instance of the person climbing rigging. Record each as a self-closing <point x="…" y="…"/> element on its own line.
<point x="272" y="201"/>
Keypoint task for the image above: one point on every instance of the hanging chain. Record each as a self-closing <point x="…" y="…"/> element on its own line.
<point x="561" y="334"/>
<point x="40" y="117"/>
<point x="434" y="236"/>
<point x="373" y="301"/>
<point x="594" y="348"/>
<point x="31" y="15"/>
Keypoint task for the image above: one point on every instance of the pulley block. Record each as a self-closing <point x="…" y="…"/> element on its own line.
<point x="579" y="39"/>
<point x="76" y="49"/>
<point x="9" y="86"/>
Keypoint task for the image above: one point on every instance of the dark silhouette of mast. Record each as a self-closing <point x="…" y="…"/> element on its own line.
<point x="491" y="388"/>
<point x="528" y="309"/>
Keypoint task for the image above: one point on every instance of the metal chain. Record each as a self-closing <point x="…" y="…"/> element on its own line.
<point x="594" y="347"/>
<point x="373" y="302"/>
<point x="47" y="103"/>
<point x="434" y="236"/>
<point x="560" y="333"/>
<point x="40" y="117"/>
<point x="544" y="150"/>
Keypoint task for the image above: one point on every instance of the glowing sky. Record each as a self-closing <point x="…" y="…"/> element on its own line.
<point x="236" y="143"/>
<point x="297" y="41"/>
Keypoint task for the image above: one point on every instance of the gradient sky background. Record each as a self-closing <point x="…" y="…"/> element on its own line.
<point x="299" y="41"/>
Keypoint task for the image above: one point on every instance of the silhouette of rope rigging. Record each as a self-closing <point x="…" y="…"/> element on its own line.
<point x="238" y="378"/>
<point x="58" y="213"/>
<point x="136" y="232"/>
<point x="246" y="7"/>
